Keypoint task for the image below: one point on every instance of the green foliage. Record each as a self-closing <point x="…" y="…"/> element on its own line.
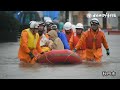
<point x="8" y="22"/>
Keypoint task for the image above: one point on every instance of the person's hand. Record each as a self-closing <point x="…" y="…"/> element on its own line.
<point x="74" y="50"/>
<point x="107" y="52"/>
<point x="42" y="53"/>
<point x="33" y="61"/>
<point x="31" y="55"/>
<point x="47" y="42"/>
<point x="50" y="45"/>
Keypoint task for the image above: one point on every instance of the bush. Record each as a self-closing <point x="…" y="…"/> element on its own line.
<point x="8" y="22"/>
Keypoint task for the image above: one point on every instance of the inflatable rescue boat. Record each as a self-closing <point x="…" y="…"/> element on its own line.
<point x="59" y="57"/>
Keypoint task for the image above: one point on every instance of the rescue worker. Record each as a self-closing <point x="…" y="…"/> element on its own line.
<point x="94" y="38"/>
<point x="44" y="39"/>
<point x="68" y="30"/>
<point x="74" y="40"/>
<point x="29" y="44"/>
<point x="56" y="43"/>
<point x="41" y="27"/>
<point x="48" y="23"/>
<point x="62" y="36"/>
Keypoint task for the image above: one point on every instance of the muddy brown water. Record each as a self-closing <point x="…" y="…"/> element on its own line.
<point x="12" y="68"/>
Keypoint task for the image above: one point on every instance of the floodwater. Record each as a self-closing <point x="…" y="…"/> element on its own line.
<point x="12" y="68"/>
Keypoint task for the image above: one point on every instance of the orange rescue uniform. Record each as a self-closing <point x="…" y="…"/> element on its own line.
<point x="68" y="35"/>
<point x="73" y="42"/>
<point x="93" y="42"/>
<point x="29" y="43"/>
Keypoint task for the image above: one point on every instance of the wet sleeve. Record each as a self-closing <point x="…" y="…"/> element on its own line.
<point x="65" y="42"/>
<point x="71" y="42"/>
<point x="104" y="41"/>
<point x="24" y="38"/>
<point x="39" y="49"/>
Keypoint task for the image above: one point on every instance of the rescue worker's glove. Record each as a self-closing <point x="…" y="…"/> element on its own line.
<point x="42" y="53"/>
<point x="107" y="52"/>
<point x="31" y="55"/>
<point x="74" y="50"/>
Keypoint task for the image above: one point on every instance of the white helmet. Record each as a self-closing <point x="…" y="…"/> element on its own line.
<point x="49" y="21"/>
<point x="79" y="25"/>
<point x="73" y="26"/>
<point x="94" y="20"/>
<point x="54" y="27"/>
<point x="47" y="18"/>
<point x="67" y="26"/>
<point x="34" y="24"/>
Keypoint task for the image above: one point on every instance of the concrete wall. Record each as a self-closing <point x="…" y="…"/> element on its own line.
<point x="112" y="18"/>
<point x="113" y="21"/>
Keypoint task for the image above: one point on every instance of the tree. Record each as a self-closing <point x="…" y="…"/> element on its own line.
<point x="9" y="27"/>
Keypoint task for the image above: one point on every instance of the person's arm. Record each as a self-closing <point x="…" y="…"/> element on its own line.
<point x="39" y="49"/>
<point x="64" y="40"/>
<point x="52" y="45"/>
<point x="104" y="41"/>
<point x="24" y="42"/>
<point x="71" y="42"/>
<point x="105" y="44"/>
<point x="55" y="45"/>
<point x="80" y="42"/>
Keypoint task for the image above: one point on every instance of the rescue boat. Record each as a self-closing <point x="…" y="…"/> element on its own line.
<point x="59" y="57"/>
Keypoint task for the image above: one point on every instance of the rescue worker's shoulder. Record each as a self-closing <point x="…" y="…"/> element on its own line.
<point x="85" y="33"/>
<point x="102" y="32"/>
<point x="58" y="39"/>
<point x="24" y="32"/>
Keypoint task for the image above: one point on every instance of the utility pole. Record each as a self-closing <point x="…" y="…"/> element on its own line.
<point x="104" y="21"/>
<point x="66" y="16"/>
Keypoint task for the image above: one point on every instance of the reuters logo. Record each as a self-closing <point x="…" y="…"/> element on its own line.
<point x="89" y="15"/>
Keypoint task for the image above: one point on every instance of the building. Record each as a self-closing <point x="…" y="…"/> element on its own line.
<point x="112" y="18"/>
